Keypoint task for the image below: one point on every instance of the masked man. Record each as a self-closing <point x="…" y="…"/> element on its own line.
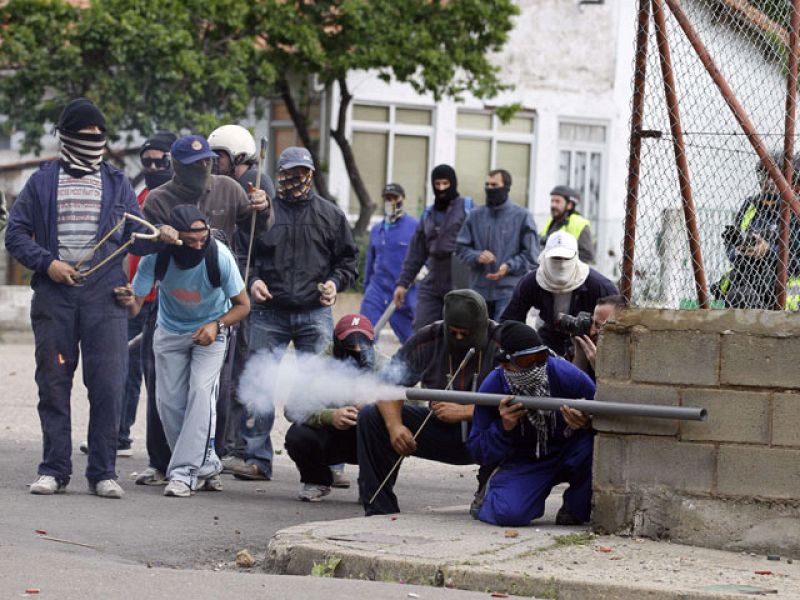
<point x="195" y="311"/>
<point x="561" y="284"/>
<point x="499" y="244"/>
<point x="65" y="208"/>
<point x="532" y="450"/>
<point x="430" y="357"/>
<point x="300" y="264"/>
<point x="326" y="438"/>
<point x="388" y="245"/>
<point x="433" y="245"/>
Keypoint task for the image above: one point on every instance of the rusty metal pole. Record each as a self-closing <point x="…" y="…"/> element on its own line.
<point x="787" y="194"/>
<point x="679" y="146"/>
<point x="635" y="152"/>
<point x="788" y="153"/>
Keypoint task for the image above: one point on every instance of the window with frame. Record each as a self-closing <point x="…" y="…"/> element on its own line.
<point x="484" y="142"/>
<point x="581" y="158"/>
<point x="392" y="144"/>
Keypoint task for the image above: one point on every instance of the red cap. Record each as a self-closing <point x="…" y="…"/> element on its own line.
<point x="350" y="324"/>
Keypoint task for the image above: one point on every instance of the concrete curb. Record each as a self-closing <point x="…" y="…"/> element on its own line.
<point x="295" y="551"/>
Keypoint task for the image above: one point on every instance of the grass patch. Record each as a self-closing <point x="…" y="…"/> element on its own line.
<point x="573" y="539"/>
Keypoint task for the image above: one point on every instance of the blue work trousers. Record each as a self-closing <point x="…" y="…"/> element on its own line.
<point x="272" y="329"/>
<point x="516" y="492"/>
<point x="67" y="322"/>
<point x="375" y="302"/>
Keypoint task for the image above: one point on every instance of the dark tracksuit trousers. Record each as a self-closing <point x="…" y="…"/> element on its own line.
<point x="67" y="322"/>
<point x="314" y="450"/>
<point x="439" y="441"/>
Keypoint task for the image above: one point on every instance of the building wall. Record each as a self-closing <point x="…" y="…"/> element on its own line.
<point x="730" y="482"/>
<point x="566" y="62"/>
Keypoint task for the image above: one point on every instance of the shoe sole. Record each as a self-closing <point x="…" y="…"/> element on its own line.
<point x="245" y="477"/>
<point x="341" y="486"/>
<point x="179" y="495"/>
<point x="127" y="453"/>
<point x="60" y="490"/>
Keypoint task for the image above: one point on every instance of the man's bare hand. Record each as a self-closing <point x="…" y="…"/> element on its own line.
<point x="258" y="199"/>
<point x="327" y="293"/>
<point x="486" y="258"/>
<point x="402" y="440"/>
<point x="588" y="347"/>
<point x="206" y="334"/>
<point x="168" y="234"/>
<point x="124" y="295"/>
<point x="499" y="274"/>
<point x="260" y="292"/>
<point x="757" y="250"/>
<point x="575" y="419"/>
<point x="345" y="417"/>
<point x="511" y="413"/>
<point x="449" y="412"/>
<point x="62" y="272"/>
<point x="399" y="296"/>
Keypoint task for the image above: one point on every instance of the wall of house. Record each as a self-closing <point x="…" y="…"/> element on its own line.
<point x="731" y="482"/>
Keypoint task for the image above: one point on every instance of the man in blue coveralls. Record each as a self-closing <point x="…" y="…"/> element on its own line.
<point x="533" y="450"/>
<point x="66" y="207"/>
<point x="387" y="249"/>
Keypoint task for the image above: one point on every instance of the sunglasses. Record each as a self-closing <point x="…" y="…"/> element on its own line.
<point x="527" y="358"/>
<point x="159" y="163"/>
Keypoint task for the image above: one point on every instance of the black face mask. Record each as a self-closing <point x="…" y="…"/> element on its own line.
<point x="496" y="196"/>
<point x="344" y="350"/>
<point x="191" y="180"/>
<point x="188" y="258"/>
<point x="153" y="179"/>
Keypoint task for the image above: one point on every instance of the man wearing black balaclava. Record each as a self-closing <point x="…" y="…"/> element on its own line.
<point x="430" y="357"/>
<point x="434" y="245"/>
<point x="499" y="244"/>
<point x="157" y="169"/>
<point x="226" y="206"/>
<point x="532" y="450"/>
<point x="189" y="344"/>
<point x="66" y="207"/>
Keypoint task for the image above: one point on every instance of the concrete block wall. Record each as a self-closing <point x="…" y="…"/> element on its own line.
<point x="730" y="482"/>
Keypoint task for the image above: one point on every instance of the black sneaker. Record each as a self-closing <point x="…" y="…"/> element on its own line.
<point x="566" y="518"/>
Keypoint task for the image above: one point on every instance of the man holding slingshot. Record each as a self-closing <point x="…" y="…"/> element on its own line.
<point x="456" y="353"/>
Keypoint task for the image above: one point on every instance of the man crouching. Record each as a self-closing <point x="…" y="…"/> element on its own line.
<point x="200" y="295"/>
<point x="532" y="450"/>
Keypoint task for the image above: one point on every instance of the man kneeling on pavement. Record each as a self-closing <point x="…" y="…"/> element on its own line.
<point x="194" y="315"/>
<point x="323" y="440"/>
<point x="532" y="450"/>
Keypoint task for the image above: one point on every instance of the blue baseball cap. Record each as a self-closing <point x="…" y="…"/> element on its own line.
<point x="191" y="148"/>
<point x="294" y="156"/>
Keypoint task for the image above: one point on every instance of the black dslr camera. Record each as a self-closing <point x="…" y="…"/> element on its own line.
<point x="580" y="324"/>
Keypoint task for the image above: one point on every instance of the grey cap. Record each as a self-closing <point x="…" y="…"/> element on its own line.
<point x="395" y="189"/>
<point x="294" y="156"/>
<point x="567" y="193"/>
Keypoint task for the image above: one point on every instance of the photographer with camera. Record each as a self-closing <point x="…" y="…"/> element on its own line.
<point x="562" y="283"/>
<point x="751" y="244"/>
<point x="585" y="331"/>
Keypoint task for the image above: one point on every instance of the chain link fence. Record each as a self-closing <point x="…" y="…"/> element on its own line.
<point x="704" y="219"/>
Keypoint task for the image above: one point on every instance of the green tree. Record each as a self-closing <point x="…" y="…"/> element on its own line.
<point x="154" y="64"/>
<point x="437" y="46"/>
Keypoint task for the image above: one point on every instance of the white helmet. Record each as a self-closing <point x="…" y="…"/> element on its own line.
<point x="236" y="141"/>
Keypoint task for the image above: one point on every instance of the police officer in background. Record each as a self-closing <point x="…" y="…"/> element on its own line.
<point x="564" y="215"/>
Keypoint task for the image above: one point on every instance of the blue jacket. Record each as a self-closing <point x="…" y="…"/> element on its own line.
<point x="32" y="232"/>
<point x="386" y="251"/>
<point x="529" y="294"/>
<point x="490" y="444"/>
<point x="508" y="232"/>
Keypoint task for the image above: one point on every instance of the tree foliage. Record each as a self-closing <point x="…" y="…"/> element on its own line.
<point x="154" y="64"/>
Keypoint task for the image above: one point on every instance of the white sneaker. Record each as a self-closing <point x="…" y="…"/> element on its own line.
<point x="311" y="492"/>
<point x="107" y="488"/>
<point x="340" y="480"/>
<point x="230" y="462"/>
<point x="151" y="476"/>
<point x="210" y="484"/>
<point x="125" y="452"/>
<point x="177" y="489"/>
<point x="47" y="485"/>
